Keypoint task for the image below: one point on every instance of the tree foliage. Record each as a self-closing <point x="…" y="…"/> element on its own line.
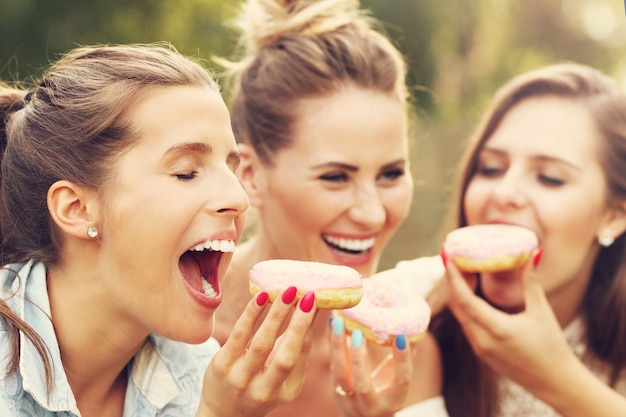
<point x="458" y="53"/>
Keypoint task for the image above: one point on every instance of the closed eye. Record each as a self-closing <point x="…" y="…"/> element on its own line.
<point x="487" y="171"/>
<point x="187" y="176"/>
<point x="551" y="181"/>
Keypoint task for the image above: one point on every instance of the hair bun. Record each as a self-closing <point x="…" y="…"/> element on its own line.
<point x="264" y="22"/>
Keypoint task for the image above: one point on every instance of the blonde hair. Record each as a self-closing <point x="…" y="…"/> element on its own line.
<point x="299" y="49"/>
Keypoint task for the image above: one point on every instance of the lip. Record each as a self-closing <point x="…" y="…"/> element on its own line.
<point x="358" y="260"/>
<point x="350" y="236"/>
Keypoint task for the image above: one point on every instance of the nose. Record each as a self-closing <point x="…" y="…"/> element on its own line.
<point x="232" y="200"/>
<point x="367" y="207"/>
<point x="509" y="190"/>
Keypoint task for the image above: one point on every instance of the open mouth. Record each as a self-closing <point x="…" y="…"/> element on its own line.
<point x="349" y="246"/>
<point x="200" y="266"/>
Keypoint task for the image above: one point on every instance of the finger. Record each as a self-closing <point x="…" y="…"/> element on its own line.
<point x="264" y="339"/>
<point x="467" y="307"/>
<point x="362" y="383"/>
<point x="403" y="365"/>
<point x="340" y="357"/>
<point x="242" y="331"/>
<point x="534" y="296"/>
<point x="294" y="381"/>
<point x="292" y="354"/>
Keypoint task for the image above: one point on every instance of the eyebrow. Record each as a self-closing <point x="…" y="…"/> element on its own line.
<point x="540" y="158"/>
<point x="187" y="147"/>
<point x="353" y="168"/>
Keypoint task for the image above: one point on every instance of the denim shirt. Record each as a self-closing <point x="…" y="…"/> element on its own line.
<point x="165" y="376"/>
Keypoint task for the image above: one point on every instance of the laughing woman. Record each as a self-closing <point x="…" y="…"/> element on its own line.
<point x="320" y="113"/>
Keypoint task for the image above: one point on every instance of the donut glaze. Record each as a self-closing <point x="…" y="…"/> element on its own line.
<point x="335" y="286"/>
<point x="388" y="308"/>
<point x="490" y="247"/>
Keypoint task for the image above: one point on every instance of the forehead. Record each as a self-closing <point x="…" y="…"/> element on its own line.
<point x="552" y="126"/>
<point x="351" y="121"/>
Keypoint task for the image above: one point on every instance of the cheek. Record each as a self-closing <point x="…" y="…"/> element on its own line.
<point x="397" y="202"/>
<point x="298" y="208"/>
<point x="476" y="197"/>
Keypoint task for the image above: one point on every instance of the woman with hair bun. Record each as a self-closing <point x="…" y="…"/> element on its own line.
<point x="117" y="178"/>
<point x="319" y="108"/>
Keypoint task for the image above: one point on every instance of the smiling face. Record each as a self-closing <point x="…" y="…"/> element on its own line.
<point x="343" y="187"/>
<point x="540" y="169"/>
<point x="173" y="193"/>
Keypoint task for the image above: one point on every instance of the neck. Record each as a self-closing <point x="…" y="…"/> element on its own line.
<point x="95" y="347"/>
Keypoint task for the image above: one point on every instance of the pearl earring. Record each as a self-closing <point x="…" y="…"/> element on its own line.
<point x="92" y="232"/>
<point x="606" y="239"/>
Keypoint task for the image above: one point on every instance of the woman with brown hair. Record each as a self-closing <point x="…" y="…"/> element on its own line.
<point x="119" y="212"/>
<point x="550" y="155"/>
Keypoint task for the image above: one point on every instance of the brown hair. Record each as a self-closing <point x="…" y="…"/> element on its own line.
<point x="469" y="385"/>
<point x="72" y="126"/>
<point x="298" y="49"/>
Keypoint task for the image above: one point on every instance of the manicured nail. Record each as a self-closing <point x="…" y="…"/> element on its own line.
<point x="330" y="322"/>
<point x="289" y="295"/>
<point x="338" y="325"/>
<point x="401" y="342"/>
<point x="537" y="257"/>
<point x="357" y="338"/>
<point x="262" y="298"/>
<point x="306" y="304"/>
<point x="444" y="258"/>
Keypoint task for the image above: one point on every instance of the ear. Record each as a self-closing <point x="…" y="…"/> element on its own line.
<point x="251" y="173"/>
<point x="72" y="208"/>
<point x="614" y="224"/>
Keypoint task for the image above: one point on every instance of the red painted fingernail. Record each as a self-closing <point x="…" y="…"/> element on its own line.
<point x="306" y="304"/>
<point x="537" y="257"/>
<point x="444" y="258"/>
<point x="289" y="295"/>
<point x="262" y="298"/>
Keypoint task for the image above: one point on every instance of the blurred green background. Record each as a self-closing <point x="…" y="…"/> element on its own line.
<point x="458" y="51"/>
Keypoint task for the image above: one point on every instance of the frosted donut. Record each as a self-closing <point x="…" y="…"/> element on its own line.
<point x="335" y="286"/>
<point x="388" y="308"/>
<point x="490" y="247"/>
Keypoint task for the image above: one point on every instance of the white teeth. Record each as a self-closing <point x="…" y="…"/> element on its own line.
<point x="351" y="244"/>
<point x="208" y="288"/>
<point x="216" y="245"/>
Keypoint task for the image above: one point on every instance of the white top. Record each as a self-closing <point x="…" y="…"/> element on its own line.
<point x="432" y="407"/>
<point x="515" y="401"/>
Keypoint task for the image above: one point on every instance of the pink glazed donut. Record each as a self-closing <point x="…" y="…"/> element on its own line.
<point x="490" y="247"/>
<point x="335" y="286"/>
<point x="388" y="308"/>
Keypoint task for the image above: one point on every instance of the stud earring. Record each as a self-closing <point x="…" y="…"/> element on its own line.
<point x="92" y="232"/>
<point x="606" y="239"/>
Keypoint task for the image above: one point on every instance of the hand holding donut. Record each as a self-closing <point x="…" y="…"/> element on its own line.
<point x="389" y="317"/>
<point x="251" y="374"/>
<point x="527" y="347"/>
<point x="359" y="390"/>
